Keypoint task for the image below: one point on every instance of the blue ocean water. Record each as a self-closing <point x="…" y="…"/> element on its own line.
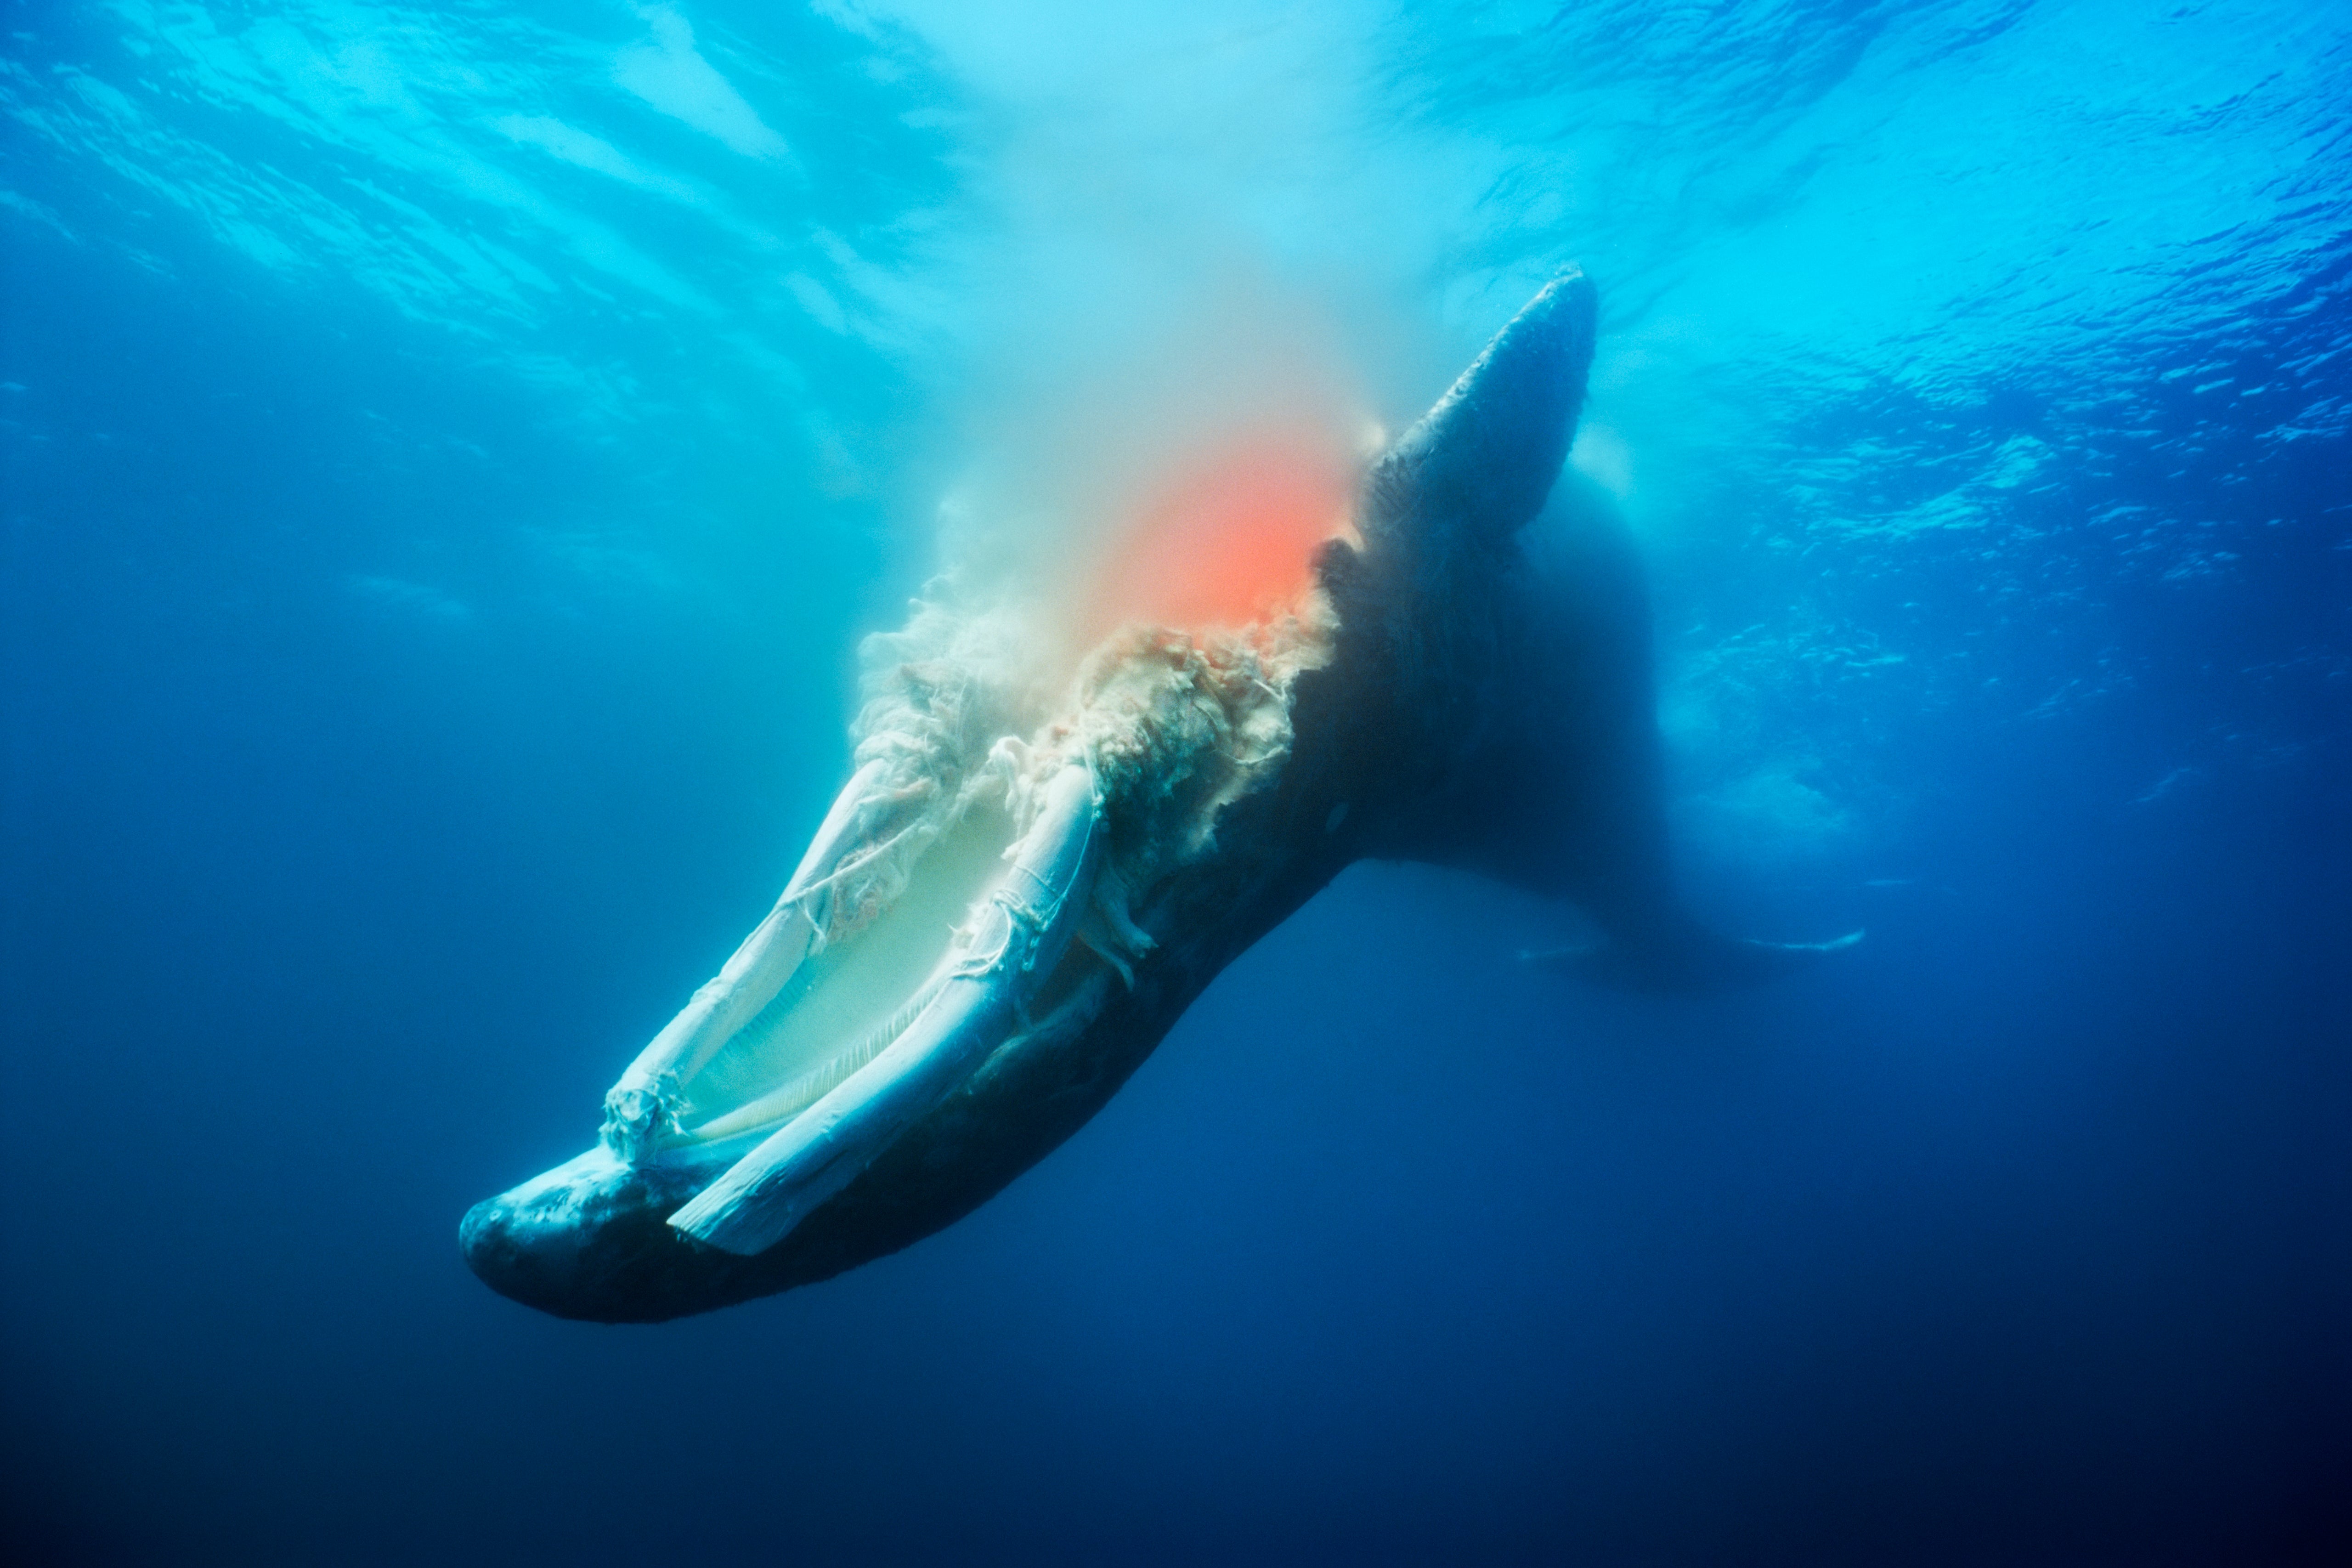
<point x="448" y="456"/>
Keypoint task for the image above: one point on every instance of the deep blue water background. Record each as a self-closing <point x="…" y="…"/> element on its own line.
<point x="448" y="458"/>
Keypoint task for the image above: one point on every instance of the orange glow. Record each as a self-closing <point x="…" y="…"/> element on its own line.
<point x="1228" y="539"/>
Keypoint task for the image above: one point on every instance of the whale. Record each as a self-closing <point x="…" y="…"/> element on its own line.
<point x="1020" y="889"/>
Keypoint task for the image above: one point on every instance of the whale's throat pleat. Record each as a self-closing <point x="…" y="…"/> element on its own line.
<point x="849" y="1001"/>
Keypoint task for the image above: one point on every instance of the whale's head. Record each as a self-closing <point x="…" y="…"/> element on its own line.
<point x="1018" y="891"/>
<point x="988" y="933"/>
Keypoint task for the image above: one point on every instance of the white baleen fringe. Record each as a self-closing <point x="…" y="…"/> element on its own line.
<point x="1174" y="725"/>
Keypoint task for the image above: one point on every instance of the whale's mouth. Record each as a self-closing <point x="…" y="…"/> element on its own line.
<point x="958" y="928"/>
<point x="916" y="939"/>
<point x="846" y="1000"/>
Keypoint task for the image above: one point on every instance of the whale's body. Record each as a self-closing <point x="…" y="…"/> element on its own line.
<point x="1457" y="687"/>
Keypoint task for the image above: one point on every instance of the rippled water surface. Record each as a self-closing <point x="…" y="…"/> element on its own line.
<point x="448" y="456"/>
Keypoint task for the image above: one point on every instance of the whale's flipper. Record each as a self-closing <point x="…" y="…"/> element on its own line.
<point x="1692" y="962"/>
<point x="1551" y="776"/>
<point x="1568" y="798"/>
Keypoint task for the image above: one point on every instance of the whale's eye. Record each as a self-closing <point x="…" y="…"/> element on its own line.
<point x="1228" y="538"/>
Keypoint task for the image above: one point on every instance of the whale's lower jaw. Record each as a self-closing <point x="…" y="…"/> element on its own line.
<point x="591" y="1238"/>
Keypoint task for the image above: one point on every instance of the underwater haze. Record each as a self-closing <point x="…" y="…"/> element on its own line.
<point x="448" y="457"/>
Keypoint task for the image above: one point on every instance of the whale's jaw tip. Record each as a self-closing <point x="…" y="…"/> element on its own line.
<point x="585" y="1241"/>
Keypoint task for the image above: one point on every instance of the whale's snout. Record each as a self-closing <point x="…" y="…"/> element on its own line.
<point x="585" y="1241"/>
<point x="521" y="1255"/>
<point x="534" y="1264"/>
